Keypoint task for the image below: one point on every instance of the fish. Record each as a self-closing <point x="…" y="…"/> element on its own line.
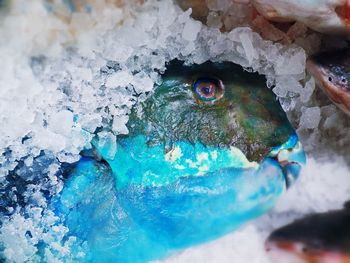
<point x="317" y="238"/>
<point x="209" y="150"/>
<point x="331" y="70"/>
<point x="325" y="16"/>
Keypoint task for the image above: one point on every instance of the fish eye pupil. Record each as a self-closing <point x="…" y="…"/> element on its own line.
<point x="208" y="89"/>
<point x="330" y="79"/>
<point x="343" y="80"/>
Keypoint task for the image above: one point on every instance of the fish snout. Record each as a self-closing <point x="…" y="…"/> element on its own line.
<point x="291" y="158"/>
<point x="320" y="74"/>
<point x="284" y="250"/>
<point x="334" y="83"/>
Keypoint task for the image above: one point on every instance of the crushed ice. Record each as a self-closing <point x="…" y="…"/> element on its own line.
<point x="65" y="77"/>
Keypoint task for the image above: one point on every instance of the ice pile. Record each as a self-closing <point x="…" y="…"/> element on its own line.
<point x="66" y="77"/>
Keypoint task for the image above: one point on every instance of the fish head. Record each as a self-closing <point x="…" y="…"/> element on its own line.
<point x="207" y="151"/>
<point x="203" y="118"/>
<point x="332" y="72"/>
<point x="210" y="149"/>
<point x="219" y="105"/>
<point x="315" y="238"/>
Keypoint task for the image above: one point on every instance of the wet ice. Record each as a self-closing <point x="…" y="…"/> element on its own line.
<point x="63" y="79"/>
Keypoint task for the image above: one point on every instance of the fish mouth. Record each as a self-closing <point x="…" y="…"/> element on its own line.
<point x="292" y="251"/>
<point x="285" y="251"/>
<point x="291" y="158"/>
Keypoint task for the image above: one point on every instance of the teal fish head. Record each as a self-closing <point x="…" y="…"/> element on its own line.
<point x="203" y="118"/>
<point x="209" y="150"/>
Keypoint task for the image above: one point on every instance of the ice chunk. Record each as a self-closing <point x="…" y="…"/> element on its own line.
<point x="119" y="79"/>
<point x="218" y="5"/>
<point x="249" y="49"/>
<point x="280" y="90"/>
<point x="143" y="83"/>
<point x="191" y="30"/>
<point x="285" y="85"/>
<point x="119" y="124"/>
<point x="306" y="92"/>
<point x="61" y="122"/>
<point x="292" y="62"/>
<point x="108" y="144"/>
<point x="311" y="118"/>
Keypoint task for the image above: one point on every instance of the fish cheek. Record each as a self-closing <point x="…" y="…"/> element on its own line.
<point x="210" y="123"/>
<point x="251" y="122"/>
<point x="264" y="127"/>
<point x="275" y="119"/>
<point x="173" y="115"/>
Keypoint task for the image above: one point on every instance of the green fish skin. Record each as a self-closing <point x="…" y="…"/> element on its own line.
<point x="247" y="116"/>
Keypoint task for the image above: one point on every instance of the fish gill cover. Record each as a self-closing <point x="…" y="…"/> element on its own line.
<point x="64" y="77"/>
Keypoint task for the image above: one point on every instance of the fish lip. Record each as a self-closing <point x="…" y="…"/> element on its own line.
<point x="291" y="158"/>
<point x="284" y="251"/>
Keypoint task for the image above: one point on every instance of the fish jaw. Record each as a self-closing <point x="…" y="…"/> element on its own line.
<point x="155" y="220"/>
<point x="340" y="97"/>
<point x="181" y="211"/>
<point x="285" y="251"/>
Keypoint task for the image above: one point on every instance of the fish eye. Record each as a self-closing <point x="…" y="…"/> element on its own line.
<point x="330" y="79"/>
<point x="208" y="89"/>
